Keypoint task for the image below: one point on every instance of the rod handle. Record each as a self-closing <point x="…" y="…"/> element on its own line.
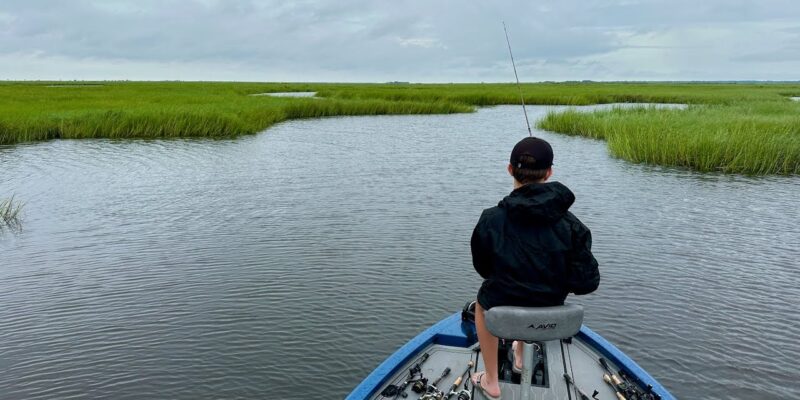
<point x="457" y="383"/>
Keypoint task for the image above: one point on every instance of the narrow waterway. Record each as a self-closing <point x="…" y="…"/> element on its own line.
<point x="288" y="264"/>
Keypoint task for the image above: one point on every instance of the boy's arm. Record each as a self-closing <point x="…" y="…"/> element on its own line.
<point x="583" y="276"/>
<point x="481" y="256"/>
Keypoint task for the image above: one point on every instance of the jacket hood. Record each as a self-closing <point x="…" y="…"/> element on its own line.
<point x="546" y="202"/>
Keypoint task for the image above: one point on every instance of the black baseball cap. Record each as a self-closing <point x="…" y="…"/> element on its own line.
<point x="537" y="148"/>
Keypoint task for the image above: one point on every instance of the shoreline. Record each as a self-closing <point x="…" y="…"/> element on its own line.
<point x="745" y="128"/>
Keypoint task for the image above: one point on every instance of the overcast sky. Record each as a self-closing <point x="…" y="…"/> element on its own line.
<point x="417" y="41"/>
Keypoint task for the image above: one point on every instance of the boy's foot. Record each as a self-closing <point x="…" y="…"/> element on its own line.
<point x="516" y="357"/>
<point x="491" y="391"/>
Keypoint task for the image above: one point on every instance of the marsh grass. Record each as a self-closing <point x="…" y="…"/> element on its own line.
<point x="742" y="128"/>
<point x="747" y="138"/>
<point x="10" y="214"/>
<point x="38" y="111"/>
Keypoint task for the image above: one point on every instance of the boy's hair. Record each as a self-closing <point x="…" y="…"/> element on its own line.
<point x="525" y="175"/>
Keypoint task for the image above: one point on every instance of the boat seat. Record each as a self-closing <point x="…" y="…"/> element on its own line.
<point x="534" y="324"/>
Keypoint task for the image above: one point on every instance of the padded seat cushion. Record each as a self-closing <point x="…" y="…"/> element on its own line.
<point x="534" y="323"/>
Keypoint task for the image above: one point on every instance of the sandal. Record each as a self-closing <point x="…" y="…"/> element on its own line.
<point x="476" y="383"/>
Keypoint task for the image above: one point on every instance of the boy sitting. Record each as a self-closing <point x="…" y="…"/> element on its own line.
<point x="530" y="251"/>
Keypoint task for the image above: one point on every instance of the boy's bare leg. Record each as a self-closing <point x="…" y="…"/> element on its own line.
<point x="488" y="343"/>
<point x="518" y="353"/>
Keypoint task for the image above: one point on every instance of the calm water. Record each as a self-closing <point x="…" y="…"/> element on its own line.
<point x="289" y="264"/>
<point x="287" y="94"/>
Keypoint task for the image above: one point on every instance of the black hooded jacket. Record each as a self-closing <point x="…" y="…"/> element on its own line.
<point x="531" y="251"/>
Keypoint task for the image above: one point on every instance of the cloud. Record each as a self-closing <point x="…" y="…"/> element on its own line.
<point x="426" y="43"/>
<point x="785" y="54"/>
<point x="360" y="40"/>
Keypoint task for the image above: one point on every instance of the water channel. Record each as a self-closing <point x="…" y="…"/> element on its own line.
<point x="288" y="264"/>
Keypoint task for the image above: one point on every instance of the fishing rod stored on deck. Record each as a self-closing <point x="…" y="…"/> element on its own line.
<point x="624" y="389"/>
<point x="433" y="392"/>
<point x="457" y="383"/>
<point x="635" y="392"/>
<point x="394" y="391"/>
<point x="583" y="394"/>
<point x="439" y="379"/>
<point x="614" y="381"/>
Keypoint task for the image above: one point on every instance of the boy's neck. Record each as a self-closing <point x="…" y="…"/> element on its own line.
<point x="518" y="185"/>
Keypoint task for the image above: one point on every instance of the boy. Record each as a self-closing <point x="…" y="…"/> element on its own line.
<point x="529" y="249"/>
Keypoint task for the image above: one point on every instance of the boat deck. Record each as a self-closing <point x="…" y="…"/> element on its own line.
<point x="574" y="357"/>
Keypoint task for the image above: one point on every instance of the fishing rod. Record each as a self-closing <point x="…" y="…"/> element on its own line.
<point x="613" y="380"/>
<point x="433" y="391"/>
<point x="635" y="393"/>
<point x="582" y="394"/>
<point x="458" y="381"/>
<point x="521" y="98"/>
<point x="624" y="389"/>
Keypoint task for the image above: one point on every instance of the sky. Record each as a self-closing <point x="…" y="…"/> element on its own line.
<point x="414" y="41"/>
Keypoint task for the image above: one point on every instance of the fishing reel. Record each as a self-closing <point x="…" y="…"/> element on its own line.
<point x="393" y="391"/>
<point x="433" y="394"/>
<point x="463" y="395"/>
<point x="420" y="386"/>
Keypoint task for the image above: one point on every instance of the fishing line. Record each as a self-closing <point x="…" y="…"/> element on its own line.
<point x="521" y="98"/>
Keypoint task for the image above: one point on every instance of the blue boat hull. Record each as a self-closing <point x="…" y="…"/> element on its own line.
<point x="452" y="331"/>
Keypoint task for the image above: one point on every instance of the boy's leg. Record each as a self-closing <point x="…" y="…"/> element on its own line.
<point x="488" y="343"/>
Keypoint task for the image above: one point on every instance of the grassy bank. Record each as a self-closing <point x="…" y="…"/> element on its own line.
<point x="743" y="128"/>
<point x="744" y="137"/>
<point x="42" y="111"/>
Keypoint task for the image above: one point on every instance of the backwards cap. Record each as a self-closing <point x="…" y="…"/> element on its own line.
<point x="534" y="147"/>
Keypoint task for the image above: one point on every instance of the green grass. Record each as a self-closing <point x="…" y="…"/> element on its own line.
<point x="738" y="128"/>
<point x="38" y="111"/>
<point x="10" y="214"/>
<point x="756" y="138"/>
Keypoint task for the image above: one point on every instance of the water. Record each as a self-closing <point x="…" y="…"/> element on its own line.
<point x="290" y="263"/>
<point x="287" y="94"/>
